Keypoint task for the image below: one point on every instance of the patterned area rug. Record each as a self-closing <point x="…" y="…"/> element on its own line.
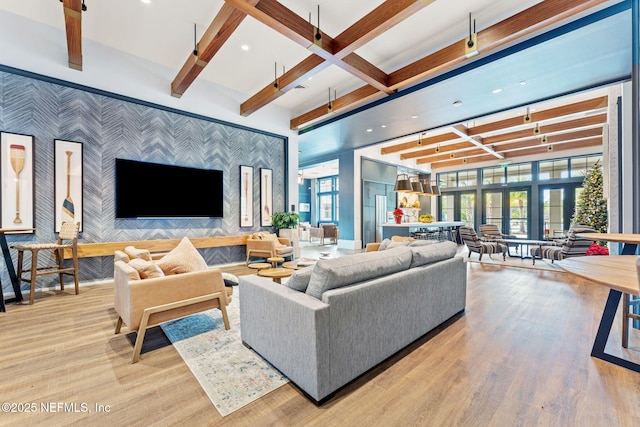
<point x="231" y="374"/>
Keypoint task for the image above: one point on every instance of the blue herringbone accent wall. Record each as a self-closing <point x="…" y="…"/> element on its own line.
<point x="112" y="128"/>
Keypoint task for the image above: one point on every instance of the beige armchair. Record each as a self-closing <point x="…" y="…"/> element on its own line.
<point x="145" y="297"/>
<point x="268" y="245"/>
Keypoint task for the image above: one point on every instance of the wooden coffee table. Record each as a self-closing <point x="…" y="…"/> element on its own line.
<point x="275" y="273"/>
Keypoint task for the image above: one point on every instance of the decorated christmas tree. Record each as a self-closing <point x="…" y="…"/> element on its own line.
<point x="591" y="206"/>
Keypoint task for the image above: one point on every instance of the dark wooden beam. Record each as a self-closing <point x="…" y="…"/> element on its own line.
<point x="525" y="23"/>
<point x="341" y="49"/>
<point x="223" y="25"/>
<point x="73" y="26"/>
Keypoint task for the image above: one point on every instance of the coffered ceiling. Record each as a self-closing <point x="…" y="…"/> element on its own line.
<point x="356" y="73"/>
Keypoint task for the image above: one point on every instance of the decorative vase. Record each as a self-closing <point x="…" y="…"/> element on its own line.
<point x="398" y="219"/>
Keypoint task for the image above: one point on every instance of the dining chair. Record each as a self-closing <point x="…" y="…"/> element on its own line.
<point x="67" y="239"/>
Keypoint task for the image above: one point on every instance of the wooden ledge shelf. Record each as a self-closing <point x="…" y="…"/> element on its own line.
<point x="88" y="250"/>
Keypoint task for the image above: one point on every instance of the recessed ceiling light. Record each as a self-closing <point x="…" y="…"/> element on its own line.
<point x="244" y="47"/>
<point x="383" y="126"/>
<point x="523" y="83"/>
<point x="498" y="90"/>
<point x="146" y="1"/>
<point x="457" y="103"/>
<point x="369" y="130"/>
<point x="414" y="116"/>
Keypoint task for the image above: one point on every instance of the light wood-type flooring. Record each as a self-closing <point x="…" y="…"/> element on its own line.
<point x="518" y="356"/>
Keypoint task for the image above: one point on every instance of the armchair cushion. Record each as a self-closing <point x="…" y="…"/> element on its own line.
<point x="133" y="252"/>
<point x="146" y="269"/>
<point x="184" y="258"/>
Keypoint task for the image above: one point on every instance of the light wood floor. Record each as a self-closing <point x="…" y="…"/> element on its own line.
<point x="518" y="356"/>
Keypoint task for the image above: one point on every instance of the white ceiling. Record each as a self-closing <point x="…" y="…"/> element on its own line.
<point x="162" y="32"/>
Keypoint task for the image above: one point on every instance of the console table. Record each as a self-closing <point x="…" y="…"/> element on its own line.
<point x="619" y="274"/>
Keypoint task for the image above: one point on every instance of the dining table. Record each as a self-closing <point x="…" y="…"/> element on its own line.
<point x="10" y="268"/>
<point x="619" y="274"/>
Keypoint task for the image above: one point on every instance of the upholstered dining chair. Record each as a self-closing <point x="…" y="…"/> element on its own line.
<point x="572" y="246"/>
<point x="491" y="232"/>
<point x="330" y="232"/>
<point x="473" y="242"/>
<point x="67" y="239"/>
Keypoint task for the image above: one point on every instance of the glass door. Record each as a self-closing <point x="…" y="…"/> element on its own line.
<point x="511" y="217"/>
<point x="519" y="213"/>
<point x="467" y="208"/>
<point x="493" y="208"/>
<point x="553" y="212"/>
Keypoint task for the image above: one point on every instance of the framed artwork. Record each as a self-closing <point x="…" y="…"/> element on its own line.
<point x="246" y="196"/>
<point x="266" y="197"/>
<point x="305" y="207"/>
<point x="68" y="182"/>
<point x="17" y="175"/>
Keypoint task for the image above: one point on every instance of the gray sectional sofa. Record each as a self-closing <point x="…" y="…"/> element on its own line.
<point x="337" y="320"/>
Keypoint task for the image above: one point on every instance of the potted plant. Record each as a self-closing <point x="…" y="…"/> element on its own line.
<point x="285" y="220"/>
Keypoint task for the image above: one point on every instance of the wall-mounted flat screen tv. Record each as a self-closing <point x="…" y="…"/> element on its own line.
<point x="152" y="190"/>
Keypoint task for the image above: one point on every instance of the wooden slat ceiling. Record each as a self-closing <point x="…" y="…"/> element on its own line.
<point x="571" y="126"/>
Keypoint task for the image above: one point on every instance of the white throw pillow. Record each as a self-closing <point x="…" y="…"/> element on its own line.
<point x="184" y="258"/>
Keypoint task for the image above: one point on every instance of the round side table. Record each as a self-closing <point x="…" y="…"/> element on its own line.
<point x="275" y="273"/>
<point x="259" y="265"/>
<point x="275" y="260"/>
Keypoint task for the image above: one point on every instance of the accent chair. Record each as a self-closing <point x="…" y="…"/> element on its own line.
<point x="491" y="232"/>
<point x="572" y="246"/>
<point x="473" y="242"/>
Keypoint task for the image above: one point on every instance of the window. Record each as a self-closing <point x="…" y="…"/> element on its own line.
<point x="447" y="207"/>
<point x="493" y="176"/>
<point x="519" y="173"/>
<point x="328" y="199"/>
<point x="554" y="169"/>
<point x="447" y="180"/>
<point x="467" y="179"/>
<point x="580" y="165"/>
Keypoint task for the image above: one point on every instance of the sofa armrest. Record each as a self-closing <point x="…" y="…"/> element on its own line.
<point x="288" y="328"/>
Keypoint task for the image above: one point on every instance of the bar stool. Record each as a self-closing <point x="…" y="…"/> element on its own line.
<point x="67" y="239"/>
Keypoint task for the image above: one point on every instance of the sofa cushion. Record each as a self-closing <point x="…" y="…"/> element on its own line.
<point x="146" y="269"/>
<point x="338" y="272"/>
<point x="397" y="244"/>
<point x="429" y="254"/>
<point x="184" y="258"/>
<point x="133" y="252"/>
<point x="299" y="280"/>
<point x="423" y="243"/>
<point x="402" y="239"/>
<point x="384" y="245"/>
